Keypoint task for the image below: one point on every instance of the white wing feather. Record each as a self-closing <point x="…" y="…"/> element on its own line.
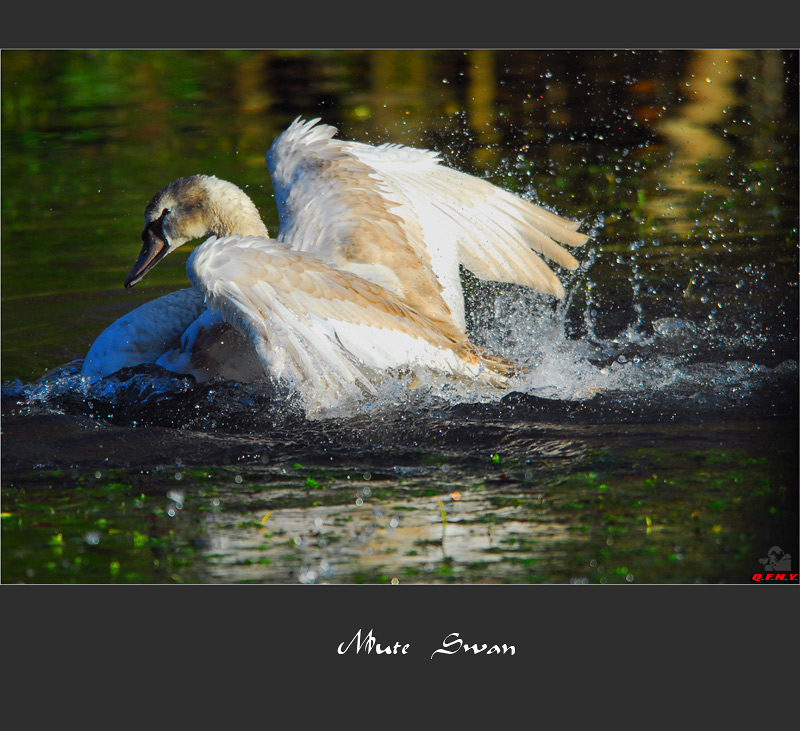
<point x="321" y="330"/>
<point x="143" y="334"/>
<point x="431" y="217"/>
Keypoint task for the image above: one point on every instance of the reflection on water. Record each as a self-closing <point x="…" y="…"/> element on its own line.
<point x="652" y="439"/>
<point x="569" y="502"/>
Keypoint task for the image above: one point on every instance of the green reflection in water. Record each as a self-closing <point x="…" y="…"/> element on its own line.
<point x="635" y="515"/>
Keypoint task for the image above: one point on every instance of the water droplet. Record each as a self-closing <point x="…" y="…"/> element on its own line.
<point x="308" y="576"/>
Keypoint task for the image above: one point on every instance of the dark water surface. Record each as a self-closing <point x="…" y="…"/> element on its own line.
<point x="654" y="439"/>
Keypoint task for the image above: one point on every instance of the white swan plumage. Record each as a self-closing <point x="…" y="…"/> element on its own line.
<point x="362" y="278"/>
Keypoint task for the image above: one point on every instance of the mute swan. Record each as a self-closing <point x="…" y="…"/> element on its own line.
<point x="362" y="278"/>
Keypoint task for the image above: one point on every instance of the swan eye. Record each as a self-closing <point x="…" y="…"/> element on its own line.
<point x="155" y="226"/>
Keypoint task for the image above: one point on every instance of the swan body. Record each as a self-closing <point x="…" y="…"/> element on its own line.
<point x="362" y="278"/>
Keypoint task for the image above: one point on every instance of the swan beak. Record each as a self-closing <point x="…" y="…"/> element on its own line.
<point x="154" y="248"/>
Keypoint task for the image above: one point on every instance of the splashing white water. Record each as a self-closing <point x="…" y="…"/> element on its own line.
<point x="528" y="329"/>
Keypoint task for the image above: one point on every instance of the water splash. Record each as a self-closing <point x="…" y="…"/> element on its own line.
<point x="616" y="337"/>
<point x="668" y="362"/>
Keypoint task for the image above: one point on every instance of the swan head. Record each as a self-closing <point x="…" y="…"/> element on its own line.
<point x="192" y="208"/>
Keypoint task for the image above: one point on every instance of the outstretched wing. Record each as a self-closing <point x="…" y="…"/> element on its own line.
<point x="323" y="330"/>
<point x="144" y="334"/>
<point x="395" y="216"/>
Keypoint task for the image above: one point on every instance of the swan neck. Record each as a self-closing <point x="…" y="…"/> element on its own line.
<point x="242" y="218"/>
